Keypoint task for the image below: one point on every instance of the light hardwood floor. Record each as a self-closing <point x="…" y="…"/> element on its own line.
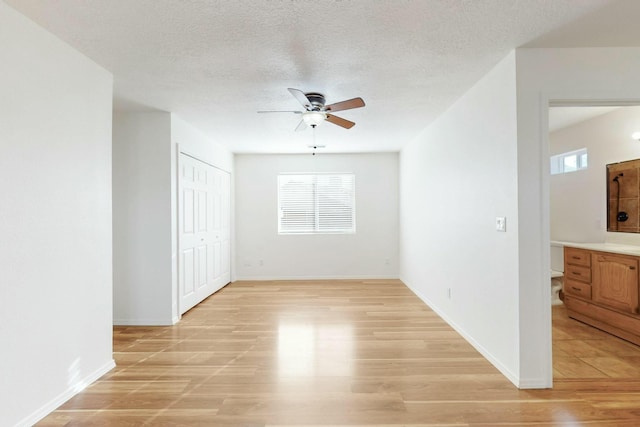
<point x="338" y="353"/>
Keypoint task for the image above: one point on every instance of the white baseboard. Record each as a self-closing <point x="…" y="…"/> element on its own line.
<point x="66" y="395"/>
<point x="145" y="322"/>
<point x="268" y="278"/>
<point x="534" y="383"/>
<point x="483" y="351"/>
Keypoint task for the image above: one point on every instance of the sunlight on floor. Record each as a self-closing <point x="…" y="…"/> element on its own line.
<point x="306" y="350"/>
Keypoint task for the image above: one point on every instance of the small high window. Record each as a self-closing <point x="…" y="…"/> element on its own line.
<point x="569" y="162"/>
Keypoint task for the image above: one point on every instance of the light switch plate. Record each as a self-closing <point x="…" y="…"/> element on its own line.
<point x="501" y="223"/>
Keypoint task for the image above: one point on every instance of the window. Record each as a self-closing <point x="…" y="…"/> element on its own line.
<point x="569" y="162"/>
<point x="316" y="204"/>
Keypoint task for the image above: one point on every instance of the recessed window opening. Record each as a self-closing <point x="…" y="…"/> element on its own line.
<point x="570" y="161"/>
<point x="316" y="203"/>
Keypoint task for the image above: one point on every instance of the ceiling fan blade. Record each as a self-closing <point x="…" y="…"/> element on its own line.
<point x="280" y="111"/>
<point x="340" y="121"/>
<point x="301" y="97"/>
<point x="301" y="126"/>
<point x="345" y="105"/>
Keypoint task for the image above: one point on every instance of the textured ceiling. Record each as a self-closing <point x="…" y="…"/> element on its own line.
<point x="215" y="63"/>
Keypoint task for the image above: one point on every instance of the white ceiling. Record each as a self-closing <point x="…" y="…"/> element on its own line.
<point x="216" y="62"/>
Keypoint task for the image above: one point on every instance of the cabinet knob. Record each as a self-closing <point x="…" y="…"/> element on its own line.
<point x="631" y="267"/>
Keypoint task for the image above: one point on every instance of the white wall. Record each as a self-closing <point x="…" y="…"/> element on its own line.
<point x="142" y="286"/>
<point x="455" y="179"/>
<point x="578" y="199"/>
<point x="55" y="256"/>
<point x="194" y="142"/>
<point x="145" y="147"/>
<point x="543" y="75"/>
<point x="483" y="118"/>
<point x="263" y="254"/>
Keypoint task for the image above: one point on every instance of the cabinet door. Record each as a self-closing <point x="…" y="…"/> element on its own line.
<point x="615" y="282"/>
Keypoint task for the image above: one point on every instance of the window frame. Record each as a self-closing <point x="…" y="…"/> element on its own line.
<point x="317" y="205"/>
<point x="558" y="161"/>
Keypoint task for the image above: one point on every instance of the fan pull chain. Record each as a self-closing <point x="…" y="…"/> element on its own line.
<point x="313" y="130"/>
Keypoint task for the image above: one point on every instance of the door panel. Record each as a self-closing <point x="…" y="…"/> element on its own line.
<point x="221" y="227"/>
<point x="188" y="211"/>
<point x="615" y="282"/>
<point x="202" y="211"/>
<point x="188" y="272"/>
<point x="217" y="260"/>
<point x="195" y="235"/>
<point x="225" y="227"/>
<point x="226" y="259"/>
<point x="202" y="266"/>
<point x="203" y="241"/>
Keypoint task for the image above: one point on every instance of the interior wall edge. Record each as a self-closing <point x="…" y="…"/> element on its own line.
<point x="544" y="76"/>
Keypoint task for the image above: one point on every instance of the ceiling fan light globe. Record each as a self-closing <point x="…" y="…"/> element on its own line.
<point x="314" y="118"/>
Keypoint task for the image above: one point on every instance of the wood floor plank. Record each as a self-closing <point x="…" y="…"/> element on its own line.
<point x="613" y="367"/>
<point x="574" y="367"/>
<point x="344" y="353"/>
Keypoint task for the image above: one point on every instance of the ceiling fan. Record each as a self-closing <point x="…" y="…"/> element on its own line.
<point x="315" y="110"/>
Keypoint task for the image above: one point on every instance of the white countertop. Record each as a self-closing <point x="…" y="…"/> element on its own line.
<point x="603" y="247"/>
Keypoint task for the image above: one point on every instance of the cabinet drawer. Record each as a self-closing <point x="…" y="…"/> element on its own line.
<point x="575" y="256"/>
<point x="579" y="289"/>
<point x="575" y="272"/>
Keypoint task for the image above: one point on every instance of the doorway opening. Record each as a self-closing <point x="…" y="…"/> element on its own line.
<point x="578" y="213"/>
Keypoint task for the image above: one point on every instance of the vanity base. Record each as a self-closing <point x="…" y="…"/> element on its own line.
<point x="622" y="325"/>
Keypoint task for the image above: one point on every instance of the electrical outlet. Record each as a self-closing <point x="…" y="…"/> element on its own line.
<point x="501" y="223"/>
<point x="387" y="261"/>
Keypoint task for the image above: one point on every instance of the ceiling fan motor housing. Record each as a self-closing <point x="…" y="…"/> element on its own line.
<point x="316" y="111"/>
<point x="316" y="100"/>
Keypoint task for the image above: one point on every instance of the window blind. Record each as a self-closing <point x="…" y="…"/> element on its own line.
<point x="316" y="203"/>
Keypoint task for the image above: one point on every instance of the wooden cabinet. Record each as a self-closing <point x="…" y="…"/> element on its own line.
<point x="601" y="289"/>
<point x="615" y="281"/>
<point x="577" y="272"/>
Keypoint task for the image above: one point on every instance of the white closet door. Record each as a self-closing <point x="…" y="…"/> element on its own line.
<point x="222" y="228"/>
<point x="225" y="232"/>
<point x="204" y="215"/>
